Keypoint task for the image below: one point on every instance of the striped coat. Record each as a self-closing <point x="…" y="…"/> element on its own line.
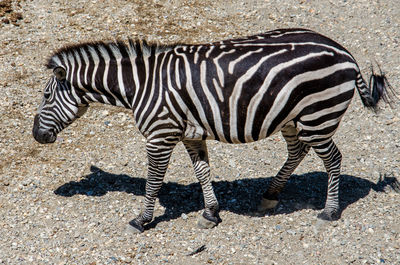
<point x="236" y="91"/>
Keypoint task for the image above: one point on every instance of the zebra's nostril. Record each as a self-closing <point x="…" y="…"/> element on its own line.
<point x="50" y="137"/>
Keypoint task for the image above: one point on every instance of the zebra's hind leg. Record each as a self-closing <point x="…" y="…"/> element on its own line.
<point x="198" y="154"/>
<point x="158" y="154"/>
<point x="332" y="159"/>
<point x="297" y="150"/>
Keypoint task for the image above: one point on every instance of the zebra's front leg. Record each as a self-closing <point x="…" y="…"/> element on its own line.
<point x="158" y="154"/>
<point x="198" y="154"/>
<point x="332" y="159"/>
<point x="297" y="150"/>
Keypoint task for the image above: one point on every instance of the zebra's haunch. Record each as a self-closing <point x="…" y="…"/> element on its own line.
<point x="236" y="91"/>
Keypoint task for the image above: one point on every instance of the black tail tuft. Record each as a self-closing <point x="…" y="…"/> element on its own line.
<point x="378" y="88"/>
<point x="381" y="89"/>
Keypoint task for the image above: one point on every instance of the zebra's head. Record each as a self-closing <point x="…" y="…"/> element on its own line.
<point x="61" y="105"/>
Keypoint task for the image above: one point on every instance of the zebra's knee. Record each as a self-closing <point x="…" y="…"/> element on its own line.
<point x="338" y="156"/>
<point x="331" y="156"/>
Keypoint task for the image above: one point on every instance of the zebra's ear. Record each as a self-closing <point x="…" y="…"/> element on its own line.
<point x="60" y="73"/>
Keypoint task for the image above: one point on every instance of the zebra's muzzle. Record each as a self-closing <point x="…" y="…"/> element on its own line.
<point x="41" y="135"/>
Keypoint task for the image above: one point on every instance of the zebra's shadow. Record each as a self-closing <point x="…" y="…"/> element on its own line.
<point x="240" y="196"/>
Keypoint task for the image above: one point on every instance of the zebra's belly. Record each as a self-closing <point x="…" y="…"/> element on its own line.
<point x="194" y="131"/>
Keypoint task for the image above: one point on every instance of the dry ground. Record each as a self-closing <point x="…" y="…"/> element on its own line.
<point x="69" y="203"/>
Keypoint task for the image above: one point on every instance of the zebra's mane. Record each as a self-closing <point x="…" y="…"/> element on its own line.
<point x="119" y="49"/>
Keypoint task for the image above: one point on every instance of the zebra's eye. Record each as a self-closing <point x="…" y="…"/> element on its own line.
<point x="47" y="95"/>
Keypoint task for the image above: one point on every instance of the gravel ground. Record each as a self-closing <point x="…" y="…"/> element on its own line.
<point x="70" y="202"/>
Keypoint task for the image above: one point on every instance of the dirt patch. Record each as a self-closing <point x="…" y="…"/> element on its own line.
<point x="8" y="14"/>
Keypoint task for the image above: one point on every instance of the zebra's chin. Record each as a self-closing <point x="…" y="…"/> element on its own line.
<point x="41" y="135"/>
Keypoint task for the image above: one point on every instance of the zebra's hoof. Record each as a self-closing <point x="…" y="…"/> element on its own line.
<point x="329" y="216"/>
<point x="134" y="227"/>
<point x="207" y="222"/>
<point x="266" y="205"/>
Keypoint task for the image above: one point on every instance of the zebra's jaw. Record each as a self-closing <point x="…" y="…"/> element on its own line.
<point x="41" y="135"/>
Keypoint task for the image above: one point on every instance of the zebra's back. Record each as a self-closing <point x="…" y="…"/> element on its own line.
<point x="246" y="89"/>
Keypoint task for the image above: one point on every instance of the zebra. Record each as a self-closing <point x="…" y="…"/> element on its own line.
<point x="295" y="81"/>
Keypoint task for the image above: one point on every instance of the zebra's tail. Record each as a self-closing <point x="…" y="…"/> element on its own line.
<point x="378" y="88"/>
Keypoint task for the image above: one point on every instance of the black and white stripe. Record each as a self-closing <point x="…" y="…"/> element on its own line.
<point x="235" y="91"/>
